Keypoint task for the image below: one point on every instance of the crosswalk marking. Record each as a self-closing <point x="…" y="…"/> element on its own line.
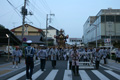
<point x="37" y="74"/>
<point x="17" y="76"/>
<point x="100" y="75"/>
<point x="51" y="75"/>
<point x="67" y="75"/>
<point x="113" y="74"/>
<point x="84" y="75"/>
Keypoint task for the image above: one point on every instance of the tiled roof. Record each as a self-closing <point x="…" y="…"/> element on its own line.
<point x="35" y="39"/>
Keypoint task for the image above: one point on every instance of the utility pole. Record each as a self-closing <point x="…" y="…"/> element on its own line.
<point x="110" y="38"/>
<point x="46" y="30"/>
<point x="24" y="13"/>
<point x="47" y="26"/>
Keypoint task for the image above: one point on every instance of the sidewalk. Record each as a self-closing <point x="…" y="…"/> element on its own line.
<point x="112" y="64"/>
<point x="6" y="68"/>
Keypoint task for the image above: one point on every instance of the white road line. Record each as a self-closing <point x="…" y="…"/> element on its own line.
<point x="113" y="74"/>
<point x="106" y="67"/>
<point x="84" y="75"/>
<point x="37" y="74"/>
<point x="18" y="76"/>
<point x="67" y="75"/>
<point x="100" y="75"/>
<point x="51" y="75"/>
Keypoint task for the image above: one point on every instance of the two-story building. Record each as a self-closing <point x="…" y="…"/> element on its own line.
<point x="51" y="32"/>
<point x="30" y="33"/>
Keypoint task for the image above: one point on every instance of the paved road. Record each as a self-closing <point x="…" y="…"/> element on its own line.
<point x="62" y="73"/>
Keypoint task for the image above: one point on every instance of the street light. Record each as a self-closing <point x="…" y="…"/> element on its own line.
<point x="8" y="36"/>
<point x="96" y="33"/>
<point x="110" y="23"/>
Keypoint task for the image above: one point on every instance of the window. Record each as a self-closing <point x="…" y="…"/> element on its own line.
<point x="118" y="18"/>
<point x="110" y="18"/>
<point x="102" y="18"/>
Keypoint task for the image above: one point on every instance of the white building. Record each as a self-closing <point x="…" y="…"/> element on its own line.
<point x="51" y="32"/>
<point x="105" y="25"/>
<point x="76" y="41"/>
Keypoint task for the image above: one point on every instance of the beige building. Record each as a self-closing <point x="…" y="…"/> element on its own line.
<point x="30" y="33"/>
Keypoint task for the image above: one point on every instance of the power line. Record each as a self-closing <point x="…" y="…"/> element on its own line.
<point x="10" y="11"/>
<point x="36" y="18"/>
<point x="38" y="9"/>
<point x="46" y="5"/>
<point x="13" y="8"/>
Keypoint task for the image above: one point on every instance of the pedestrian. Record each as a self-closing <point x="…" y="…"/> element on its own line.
<point x="105" y="55"/>
<point x="20" y="55"/>
<point x="85" y="57"/>
<point x="42" y="54"/>
<point x="118" y="55"/>
<point x="97" y="58"/>
<point x="75" y="61"/>
<point x="53" y="57"/>
<point x="29" y="60"/>
<point x="70" y="58"/>
<point x="15" y="56"/>
<point x="35" y="55"/>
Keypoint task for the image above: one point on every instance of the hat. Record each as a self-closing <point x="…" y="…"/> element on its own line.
<point x="28" y="41"/>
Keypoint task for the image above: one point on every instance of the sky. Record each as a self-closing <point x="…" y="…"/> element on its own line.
<point x="70" y="15"/>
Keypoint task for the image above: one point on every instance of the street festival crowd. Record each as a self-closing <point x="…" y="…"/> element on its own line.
<point x="72" y="54"/>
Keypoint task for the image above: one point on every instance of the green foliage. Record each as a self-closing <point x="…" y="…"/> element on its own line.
<point x="2" y="27"/>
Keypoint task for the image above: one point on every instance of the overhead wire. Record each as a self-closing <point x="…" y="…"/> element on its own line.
<point x="45" y="5"/>
<point x="36" y="18"/>
<point x="38" y="9"/>
<point x="10" y="11"/>
<point x="14" y="8"/>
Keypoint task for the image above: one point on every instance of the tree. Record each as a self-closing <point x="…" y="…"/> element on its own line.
<point x="2" y="27"/>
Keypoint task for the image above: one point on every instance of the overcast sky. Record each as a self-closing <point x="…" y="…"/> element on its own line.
<point x="70" y="15"/>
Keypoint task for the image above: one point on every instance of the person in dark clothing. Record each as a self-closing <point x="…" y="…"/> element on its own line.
<point x="29" y="55"/>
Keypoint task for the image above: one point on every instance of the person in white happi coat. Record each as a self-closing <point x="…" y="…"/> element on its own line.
<point x="15" y="55"/>
<point x="75" y="61"/>
<point x="42" y="54"/>
<point x="86" y="56"/>
<point x="65" y="54"/>
<point x="53" y="57"/>
<point x="97" y="56"/>
<point x="61" y="51"/>
<point x="21" y="53"/>
<point x="70" y="58"/>
<point x="57" y="53"/>
<point x="118" y="55"/>
<point x="105" y="55"/>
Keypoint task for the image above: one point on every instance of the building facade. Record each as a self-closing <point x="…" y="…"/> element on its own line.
<point x="30" y="33"/>
<point x="105" y="25"/>
<point x="51" y="32"/>
<point x="76" y="41"/>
